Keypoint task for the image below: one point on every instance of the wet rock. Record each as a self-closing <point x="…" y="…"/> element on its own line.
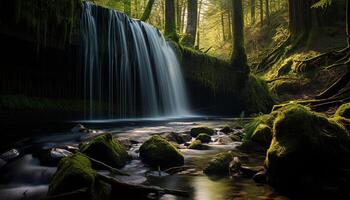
<point x="235" y="137"/>
<point x="250" y="146"/>
<point x="125" y="142"/>
<point x="204" y="138"/>
<point x="178" y="138"/>
<point x="219" y="165"/>
<point x="249" y="172"/>
<point x="197" y="145"/>
<point x="304" y="144"/>
<point x="157" y="152"/>
<point x="10" y="155"/>
<point x="79" y="129"/>
<point x="226" y="130"/>
<point x="235" y="165"/>
<point x="185" y="137"/>
<point x="224" y="140"/>
<point x="73" y="173"/>
<point x="51" y="157"/>
<point x="107" y="150"/>
<point x="196" y="131"/>
<point x="260" y="177"/>
<point x="262" y="135"/>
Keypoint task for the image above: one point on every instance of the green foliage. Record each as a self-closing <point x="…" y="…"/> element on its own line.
<point x="198" y="130"/>
<point x="261" y="119"/>
<point x="322" y="4"/>
<point x="106" y="149"/>
<point x="157" y="152"/>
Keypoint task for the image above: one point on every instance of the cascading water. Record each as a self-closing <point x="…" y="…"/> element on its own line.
<point x="130" y="69"/>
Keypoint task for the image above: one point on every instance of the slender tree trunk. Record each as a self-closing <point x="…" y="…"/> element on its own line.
<point x="127" y="7"/>
<point x="191" y="28"/>
<point x="300" y="17"/>
<point x="170" y="20"/>
<point x="252" y="11"/>
<point x="229" y="13"/>
<point x="348" y="21"/>
<point x="178" y="15"/>
<point x="267" y="8"/>
<point x="223" y="26"/>
<point x="184" y="8"/>
<point x="261" y="13"/>
<point x="239" y="58"/>
<point x="148" y="10"/>
<point x="198" y="23"/>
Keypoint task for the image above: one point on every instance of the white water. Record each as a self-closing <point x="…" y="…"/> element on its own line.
<point x="130" y="69"/>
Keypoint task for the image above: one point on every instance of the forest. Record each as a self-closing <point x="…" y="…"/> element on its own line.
<point x="174" y="99"/>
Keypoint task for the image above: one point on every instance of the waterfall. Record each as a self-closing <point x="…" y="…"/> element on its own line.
<point x="130" y="70"/>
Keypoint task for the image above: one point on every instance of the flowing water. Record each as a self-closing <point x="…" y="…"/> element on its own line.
<point x="129" y="68"/>
<point x="28" y="178"/>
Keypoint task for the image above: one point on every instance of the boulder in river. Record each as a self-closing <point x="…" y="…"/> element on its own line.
<point x="178" y="138"/>
<point x="224" y="140"/>
<point x="220" y="164"/>
<point x="198" y="130"/>
<point x="197" y="145"/>
<point x="106" y="149"/>
<point x="226" y="130"/>
<point x="74" y="173"/>
<point x="10" y="155"/>
<point x="204" y="138"/>
<point x="307" y="149"/>
<point x="262" y="135"/>
<point x="157" y="152"/>
<point x="79" y="129"/>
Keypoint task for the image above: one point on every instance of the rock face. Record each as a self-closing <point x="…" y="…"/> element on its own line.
<point x="196" y="131"/>
<point x="306" y="148"/>
<point x="105" y="149"/>
<point x="157" y="152"/>
<point x="204" y="138"/>
<point x="262" y="135"/>
<point x="73" y="173"/>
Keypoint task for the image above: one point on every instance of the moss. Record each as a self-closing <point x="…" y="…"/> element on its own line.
<point x="250" y="128"/>
<point x="204" y="138"/>
<point x="157" y="152"/>
<point x="219" y="165"/>
<point x="105" y="149"/>
<point x="197" y="144"/>
<point x="304" y="143"/>
<point x="262" y="135"/>
<point x="343" y="111"/>
<point x="198" y="130"/>
<point x="255" y="96"/>
<point x="73" y="173"/>
<point x="226" y="129"/>
<point x="291" y="86"/>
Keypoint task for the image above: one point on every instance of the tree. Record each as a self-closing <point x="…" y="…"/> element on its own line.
<point x="252" y="11"/>
<point x="191" y="28"/>
<point x="170" y="20"/>
<point x="261" y="13"/>
<point x="147" y="11"/>
<point x="239" y="57"/>
<point x="267" y="9"/>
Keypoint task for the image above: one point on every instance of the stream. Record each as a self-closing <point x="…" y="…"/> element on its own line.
<point x="26" y="178"/>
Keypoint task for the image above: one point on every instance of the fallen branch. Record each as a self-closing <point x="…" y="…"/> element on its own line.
<point x="76" y="194"/>
<point x="335" y="87"/>
<point x="105" y="166"/>
<point x="139" y="189"/>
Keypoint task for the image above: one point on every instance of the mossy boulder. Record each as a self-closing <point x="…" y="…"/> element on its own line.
<point x="262" y="135"/>
<point x="73" y="173"/>
<point x="304" y="146"/>
<point x="156" y="151"/>
<point x="226" y="129"/>
<point x="198" y="130"/>
<point x="251" y="127"/>
<point x="219" y="165"/>
<point x="106" y="149"/>
<point x="204" y="138"/>
<point x="197" y="144"/>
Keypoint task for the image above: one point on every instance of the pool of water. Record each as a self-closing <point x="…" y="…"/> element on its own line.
<point x="26" y="178"/>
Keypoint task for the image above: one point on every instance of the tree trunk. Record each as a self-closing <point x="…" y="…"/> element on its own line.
<point x="184" y="8"/>
<point x="300" y="18"/>
<point x="239" y="58"/>
<point x="261" y="13"/>
<point x="148" y="10"/>
<point x="127" y="7"/>
<point x="191" y="28"/>
<point x="178" y="15"/>
<point x="170" y="20"/>
<point x="223" y="26"/>
<point x="252" y="11"/>
<point x="198" y="23"/>
<point x="348" y="21"/>
<point x="267" y="8"/>
<point x="229" y="24"/>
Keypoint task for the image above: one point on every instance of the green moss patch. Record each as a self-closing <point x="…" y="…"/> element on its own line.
<point x="219" y="165"/>
<point x="197" y="144"/>
<point x="198" y="130"/>
<point x="157" y="152"/>
<point x="106" y="149"/>
<point x="204" y="138"/>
